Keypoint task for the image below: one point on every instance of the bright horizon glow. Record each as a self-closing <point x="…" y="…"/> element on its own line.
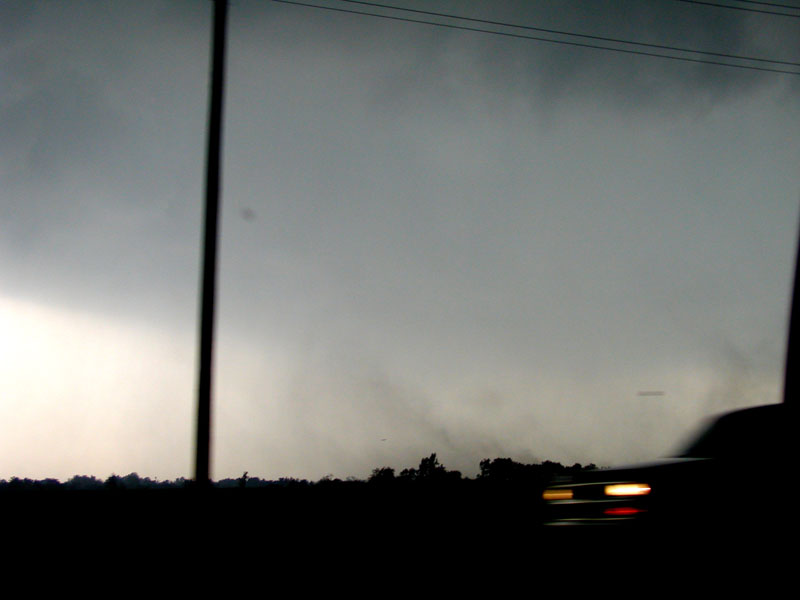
<point x="88" y="395"/>
<point x="82" y="395"/>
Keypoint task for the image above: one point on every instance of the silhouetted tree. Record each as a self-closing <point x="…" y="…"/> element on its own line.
<point x="84" y="482"/>
<point x="292" y="482"/>
<point x="131" y="481"/>
<point x="430" y="468"/>
<point x="408" y="474"/>
<point x="502" y="469"/>
<point x="382" y="475"/>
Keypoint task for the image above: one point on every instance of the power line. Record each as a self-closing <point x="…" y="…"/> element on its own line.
<point x="791" y="6"/>
<point x="578" y="35"/>
<point x="742" y="8"/>
<point x="539" y="39"/>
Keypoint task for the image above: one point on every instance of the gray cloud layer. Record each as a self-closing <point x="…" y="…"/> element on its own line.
<point x="450" y="241"/>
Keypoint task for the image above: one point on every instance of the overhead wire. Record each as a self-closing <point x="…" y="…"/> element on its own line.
<point x="572" y="34"/>
<point x="745" y="9"/>
<point x="792" y="6"/>
<point x="543" y="39"/>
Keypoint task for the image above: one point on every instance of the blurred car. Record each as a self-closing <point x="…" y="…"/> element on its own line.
<point x="733" y="472"/>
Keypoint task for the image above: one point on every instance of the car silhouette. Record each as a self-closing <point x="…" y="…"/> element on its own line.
<point x="733" y="472"/>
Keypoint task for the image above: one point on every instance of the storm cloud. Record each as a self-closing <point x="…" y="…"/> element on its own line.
<point x="432" y="240"/>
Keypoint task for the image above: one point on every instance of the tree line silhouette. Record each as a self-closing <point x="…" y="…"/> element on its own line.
<point x="387" y="514"/>
<point x="430" y="472"/>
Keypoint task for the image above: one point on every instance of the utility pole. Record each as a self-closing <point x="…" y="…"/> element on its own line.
<point x="212" y="192"/>
<point x="792" y="367"/>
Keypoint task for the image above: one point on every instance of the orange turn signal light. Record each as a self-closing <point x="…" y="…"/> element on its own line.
<point x="557" y="494"/>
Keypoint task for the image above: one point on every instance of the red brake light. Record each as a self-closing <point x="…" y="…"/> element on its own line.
<point x="622" y="511"/>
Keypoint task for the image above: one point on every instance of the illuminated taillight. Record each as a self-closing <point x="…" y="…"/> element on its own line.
<point x="622" y="511"/>
<point x="627" y="489"/>
<point x="557" y="494"/>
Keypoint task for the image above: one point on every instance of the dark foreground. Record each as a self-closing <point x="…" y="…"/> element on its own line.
<point x="374" y="538"/>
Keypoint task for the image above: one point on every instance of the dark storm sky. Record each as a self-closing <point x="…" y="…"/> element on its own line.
<point x="455" y="242"/>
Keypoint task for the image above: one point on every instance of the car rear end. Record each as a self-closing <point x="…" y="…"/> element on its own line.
<point x="649" y="493"/>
